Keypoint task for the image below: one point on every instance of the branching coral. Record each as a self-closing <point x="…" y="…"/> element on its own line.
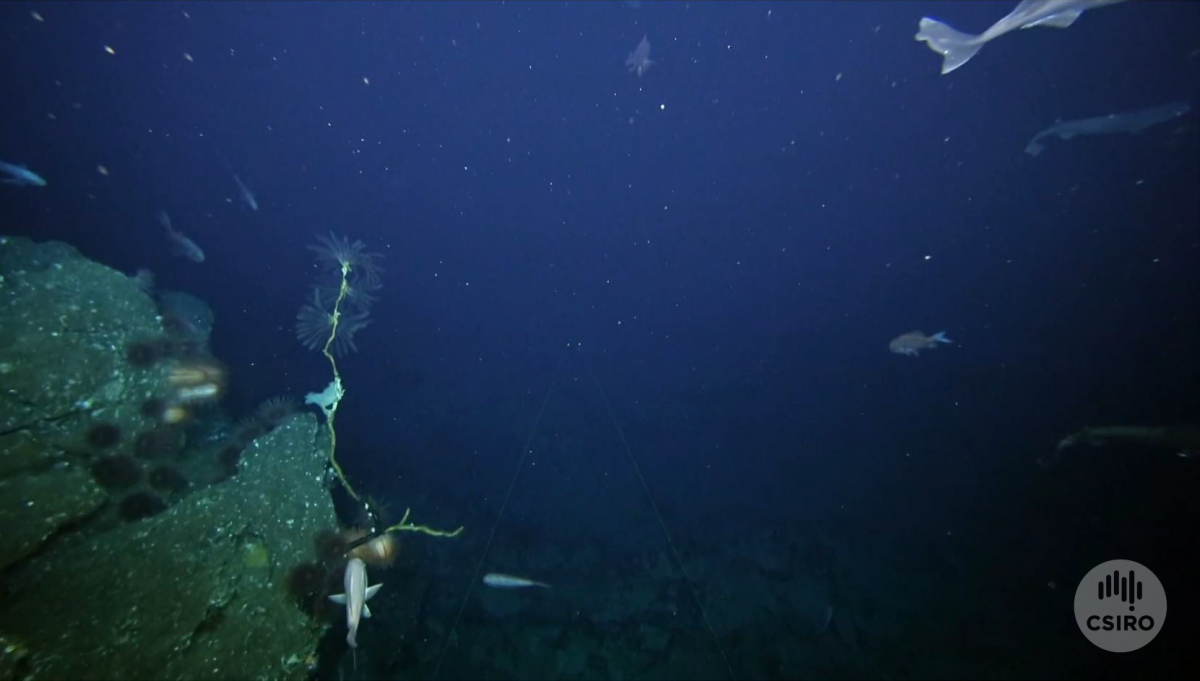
<point x="340" y="306"/>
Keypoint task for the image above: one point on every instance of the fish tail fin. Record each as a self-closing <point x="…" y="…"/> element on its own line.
<point x="955" y="47"/>
<point x="542" y="584"/>
<point x="940" y="337"/>
<point x="1034" y="147"/>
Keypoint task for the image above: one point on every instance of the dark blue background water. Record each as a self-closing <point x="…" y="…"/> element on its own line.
<point x="728" y="243"/>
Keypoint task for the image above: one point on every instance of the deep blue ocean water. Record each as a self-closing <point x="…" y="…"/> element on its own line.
<point x="671" y="295"/>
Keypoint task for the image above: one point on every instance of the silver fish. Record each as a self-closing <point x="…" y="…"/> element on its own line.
<point x="502" y="581"/>
<point x="355" y="596"/>
<point x="181" y="244"/>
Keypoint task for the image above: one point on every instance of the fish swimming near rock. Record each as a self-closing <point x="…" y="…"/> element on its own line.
<point x="180" y="244"/>
<point x="957" y="47"/>
<point x="913" y="342"/>
<point x="1133" y="122"/>
<point x="21" y="176"/>
<point x="639" y="60"/>
<point x="499" y="580"/>
<point x="354" y="596"/>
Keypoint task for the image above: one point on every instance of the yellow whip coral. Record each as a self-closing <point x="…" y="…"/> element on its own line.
<point x="341" y="302"/>
<point x="349" y="296"/>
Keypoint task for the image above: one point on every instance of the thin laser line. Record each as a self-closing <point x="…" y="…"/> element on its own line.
<point x="491" y="535"/>
<point x="688" y="580"/>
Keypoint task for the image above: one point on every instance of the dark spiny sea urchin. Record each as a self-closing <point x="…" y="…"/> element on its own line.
<point x="159" y="442"/>
<point x="153" y="408"/>
<point x="140" y="505"/>
<point x="103" y="435"/>
<point x="275" y="410"/>
<point x="143" y="353"/>
<point x="116" y="472"/>
<point x="248" y="430"/>
<point x="167" y="479"/>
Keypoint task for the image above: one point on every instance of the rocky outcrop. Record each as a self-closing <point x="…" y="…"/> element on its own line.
<point x="191" y="584"/>
<point x="68" y="394"/>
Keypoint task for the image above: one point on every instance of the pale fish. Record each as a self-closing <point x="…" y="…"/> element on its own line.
<point x="913" y="342"/>
<point x="355" y="596"/>
<point x="502" y="581"/>
<point x="181" y="245"/>
<point x="957" y="47"/>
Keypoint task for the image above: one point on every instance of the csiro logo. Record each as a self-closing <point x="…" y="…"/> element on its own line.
<point x="1120" y="606"/>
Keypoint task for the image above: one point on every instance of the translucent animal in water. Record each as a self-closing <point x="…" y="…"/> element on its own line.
<point x="639" y="60"/>
<point x="957" y="47"/>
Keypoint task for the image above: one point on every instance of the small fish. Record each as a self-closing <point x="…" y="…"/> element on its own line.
<point x="21" y="176"/>
<point x="181" y="245"/>
<point x="502" y="581"/>
<point x="957" y="47"/>
<point x="913" y="342"/>
<point x="247" y="196"/>
<point x="639" y="60"/>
